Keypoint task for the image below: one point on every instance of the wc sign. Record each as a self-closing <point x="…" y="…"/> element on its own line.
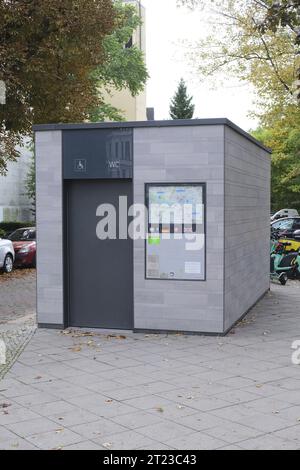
<point x="2" y="353"/>
<point x="114" y="165"/>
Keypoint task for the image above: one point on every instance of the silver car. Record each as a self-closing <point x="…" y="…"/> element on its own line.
<point x="7" y="255"/>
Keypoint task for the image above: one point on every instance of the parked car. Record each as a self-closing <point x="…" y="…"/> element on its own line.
<point x="7" y="255"/>
<point x="24" y="242"/>
<point x="287" y="226"/>
<point x="283" y="213"/>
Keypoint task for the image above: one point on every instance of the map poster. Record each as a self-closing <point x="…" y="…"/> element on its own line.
<point x="180" y="204"/>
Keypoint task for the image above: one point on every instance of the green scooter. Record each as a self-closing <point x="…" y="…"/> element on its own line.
<point x="283" y="265"/>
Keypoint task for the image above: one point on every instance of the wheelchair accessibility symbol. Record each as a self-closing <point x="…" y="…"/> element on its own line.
<point x="80" y="165"/>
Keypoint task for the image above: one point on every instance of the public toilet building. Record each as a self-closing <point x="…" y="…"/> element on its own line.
<point x="196" y="260"/>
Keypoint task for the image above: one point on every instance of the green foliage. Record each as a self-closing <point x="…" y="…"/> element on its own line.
<point x="283" y="136"/>
<point x="105" y="112"/>
<point x="7" y="228"/>
<point x="124" y="67"/>
<point x="9" y="140"/>
<point x="283" y="13"/>
<point x="238" y="48"/>
<point x="181" y="106"/>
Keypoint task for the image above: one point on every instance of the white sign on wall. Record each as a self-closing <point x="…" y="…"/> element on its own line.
<point x="2" y="92"/>
<point x="2" y="353"/>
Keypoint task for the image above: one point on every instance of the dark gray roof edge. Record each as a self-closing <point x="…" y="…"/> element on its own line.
<point x="139" y="124"/>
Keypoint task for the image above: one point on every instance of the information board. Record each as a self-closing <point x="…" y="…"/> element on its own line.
<point x="175" y="245"/>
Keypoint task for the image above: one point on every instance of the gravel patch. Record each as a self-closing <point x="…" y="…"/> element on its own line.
<point x="15" y="339"/>
<point x="17" y="295"/>
<point x="17" y="313"/>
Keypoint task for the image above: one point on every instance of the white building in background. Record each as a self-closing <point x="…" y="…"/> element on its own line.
<point x="133" y="108"/>
<point x="14" y="204"/>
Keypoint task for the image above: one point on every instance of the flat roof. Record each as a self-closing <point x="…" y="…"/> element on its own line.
<point x="139" y="124"/>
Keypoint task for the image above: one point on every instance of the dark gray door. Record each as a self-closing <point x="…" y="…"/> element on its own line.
<point x="100" y="272"/>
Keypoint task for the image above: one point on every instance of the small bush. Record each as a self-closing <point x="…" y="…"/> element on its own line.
<point x="8" y="227"/>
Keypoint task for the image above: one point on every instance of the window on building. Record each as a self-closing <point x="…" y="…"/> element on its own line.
<point x="129" y="44"/>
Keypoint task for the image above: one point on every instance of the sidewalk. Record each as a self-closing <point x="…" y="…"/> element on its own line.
<point x="76" y="390"/>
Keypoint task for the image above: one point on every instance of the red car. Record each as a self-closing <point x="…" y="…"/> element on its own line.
<point x="24" y="242"/>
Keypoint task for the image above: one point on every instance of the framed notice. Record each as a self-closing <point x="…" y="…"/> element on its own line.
<point x="176" y="244"/>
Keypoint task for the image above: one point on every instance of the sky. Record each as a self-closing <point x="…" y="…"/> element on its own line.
<point x="166" y="28"/>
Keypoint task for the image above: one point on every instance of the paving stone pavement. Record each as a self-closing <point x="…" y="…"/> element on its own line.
<point x="94" y="390"/>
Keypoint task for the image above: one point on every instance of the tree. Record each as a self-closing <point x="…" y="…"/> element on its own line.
<point x="283" y="13"/>
<point x="246" y="44"/>
<point x="181" y="104"/>
<point x="240" y="49"/>
<point x="286" y="14"/>
<point x="48" y="51"/>
<point x="123" y="67"/>
<point x="283" y="136"/>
